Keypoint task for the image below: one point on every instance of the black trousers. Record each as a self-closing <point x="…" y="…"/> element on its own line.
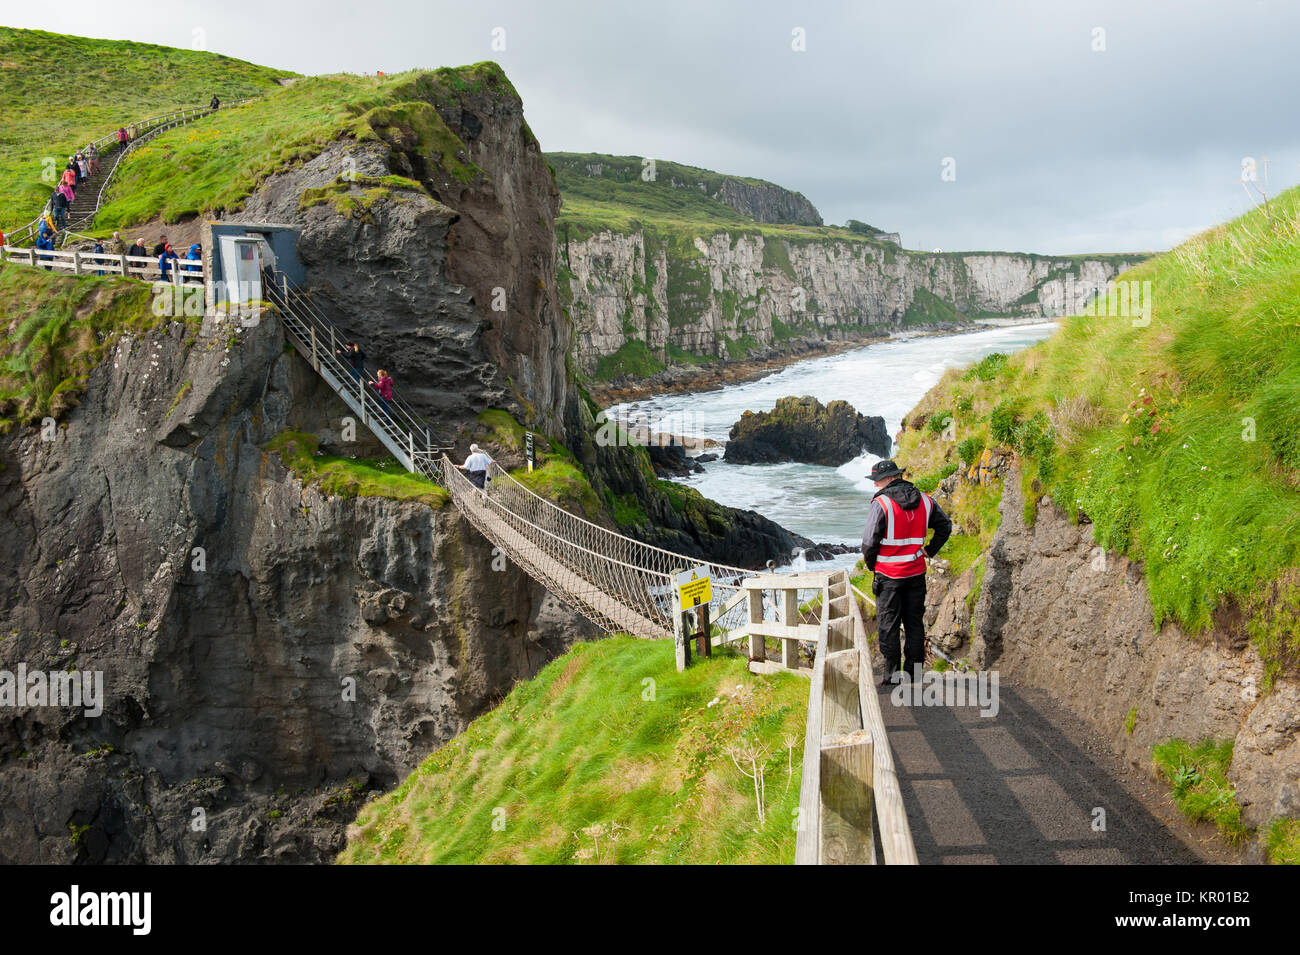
<point x="900" y="604"/>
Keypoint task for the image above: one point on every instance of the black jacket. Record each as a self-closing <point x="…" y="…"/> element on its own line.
<point x="137" y="250"/>
<point x="357" y="359"/>
<point x="908" y="498"/>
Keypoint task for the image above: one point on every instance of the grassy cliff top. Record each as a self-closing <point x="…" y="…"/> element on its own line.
<point x="60" y="92"/>
<point x="214" y="164"/>
<point x="1173" y="431"/>
<point x="589" y="181"/>
<point x="57" y="93"/>
<point x="56" y="329"/>
<point x="608" y="755"/>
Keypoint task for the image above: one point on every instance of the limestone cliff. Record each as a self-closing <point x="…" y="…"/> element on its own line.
<point x="725" y="292"/>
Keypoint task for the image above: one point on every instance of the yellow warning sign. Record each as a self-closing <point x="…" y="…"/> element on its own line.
<point x="695" y="587"/>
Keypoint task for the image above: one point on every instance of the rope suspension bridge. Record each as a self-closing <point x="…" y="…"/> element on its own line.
<point x="621" y="584"/>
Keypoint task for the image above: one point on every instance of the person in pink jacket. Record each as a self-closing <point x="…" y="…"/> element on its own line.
<point x="384" y="385"/>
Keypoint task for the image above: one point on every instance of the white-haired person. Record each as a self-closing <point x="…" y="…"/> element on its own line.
<point x="476" y="465"/>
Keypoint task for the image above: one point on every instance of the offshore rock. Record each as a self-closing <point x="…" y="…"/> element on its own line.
<point x="805" y="430"/>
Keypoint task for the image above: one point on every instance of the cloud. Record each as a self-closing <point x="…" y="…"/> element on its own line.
<point x="1059" y="146"/>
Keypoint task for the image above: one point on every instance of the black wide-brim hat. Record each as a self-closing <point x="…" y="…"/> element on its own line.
<point x="885" y="469"/>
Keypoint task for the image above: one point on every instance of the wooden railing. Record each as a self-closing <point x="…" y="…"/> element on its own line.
<point x="849" y="785"/>
<point x="849" y="791"/>
<point x="181" y="271"/>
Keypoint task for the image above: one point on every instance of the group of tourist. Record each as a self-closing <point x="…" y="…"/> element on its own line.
<point x="82" y="166"/>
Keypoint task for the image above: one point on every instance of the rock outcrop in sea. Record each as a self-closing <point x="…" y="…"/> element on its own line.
<point x="805" y="430"/>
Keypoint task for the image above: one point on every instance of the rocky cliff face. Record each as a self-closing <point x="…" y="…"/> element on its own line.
<point x="448" y="285"/>
<point x="765" y="202"/>
<point x="590" y="175"/>
<point x="1056" y="612"/>
<point x="724" y="294"/>
<point x="269" y="655"/>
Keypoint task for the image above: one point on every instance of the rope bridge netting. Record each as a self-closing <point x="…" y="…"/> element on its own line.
<point x="617" y="582"/>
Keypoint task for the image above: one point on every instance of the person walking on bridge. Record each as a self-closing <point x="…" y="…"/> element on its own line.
<point x="894" y="549"/>
<point x="215" y="102"/>
<point x="475" y="466"/>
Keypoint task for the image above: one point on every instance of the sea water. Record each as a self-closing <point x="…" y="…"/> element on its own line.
<point x="825" y="504"/>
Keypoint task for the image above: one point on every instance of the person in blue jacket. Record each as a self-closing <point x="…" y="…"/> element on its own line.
<point x="195" y="254"/>
<point x="165" y="261"/>
<point x="45" y="239"/>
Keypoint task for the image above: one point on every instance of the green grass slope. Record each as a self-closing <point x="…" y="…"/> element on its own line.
<point x="55" y="330"/>
<point x="609" y="755"/>
<point x="214" y="165"/>
<point x="58" y="93"/>
<point x="1178" y="439"/>
<point x="620" y="200"/>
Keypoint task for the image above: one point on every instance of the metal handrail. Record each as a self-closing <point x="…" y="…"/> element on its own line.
<point x="300" y="302"/>
<point x="319" y="336"/>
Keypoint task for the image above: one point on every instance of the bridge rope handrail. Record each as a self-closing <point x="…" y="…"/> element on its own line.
<point x="683" y="560"/>
<point x="449" y="466"/>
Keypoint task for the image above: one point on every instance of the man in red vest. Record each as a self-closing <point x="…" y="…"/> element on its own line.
<point x="894" y="548"/>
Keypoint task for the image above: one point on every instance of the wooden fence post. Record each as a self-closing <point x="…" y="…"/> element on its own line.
<point x="704" y="636"/>
<point x="757" y="642"/>
<point x="790" y="615"/>
<point x="846" y="776"/>
<point x="681" y="646"/>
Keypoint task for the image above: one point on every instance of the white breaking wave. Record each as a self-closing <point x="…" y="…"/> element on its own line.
<point x="887" y="378"/>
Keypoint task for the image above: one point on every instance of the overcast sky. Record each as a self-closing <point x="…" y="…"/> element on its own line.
<point x="1057" y="146"/>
